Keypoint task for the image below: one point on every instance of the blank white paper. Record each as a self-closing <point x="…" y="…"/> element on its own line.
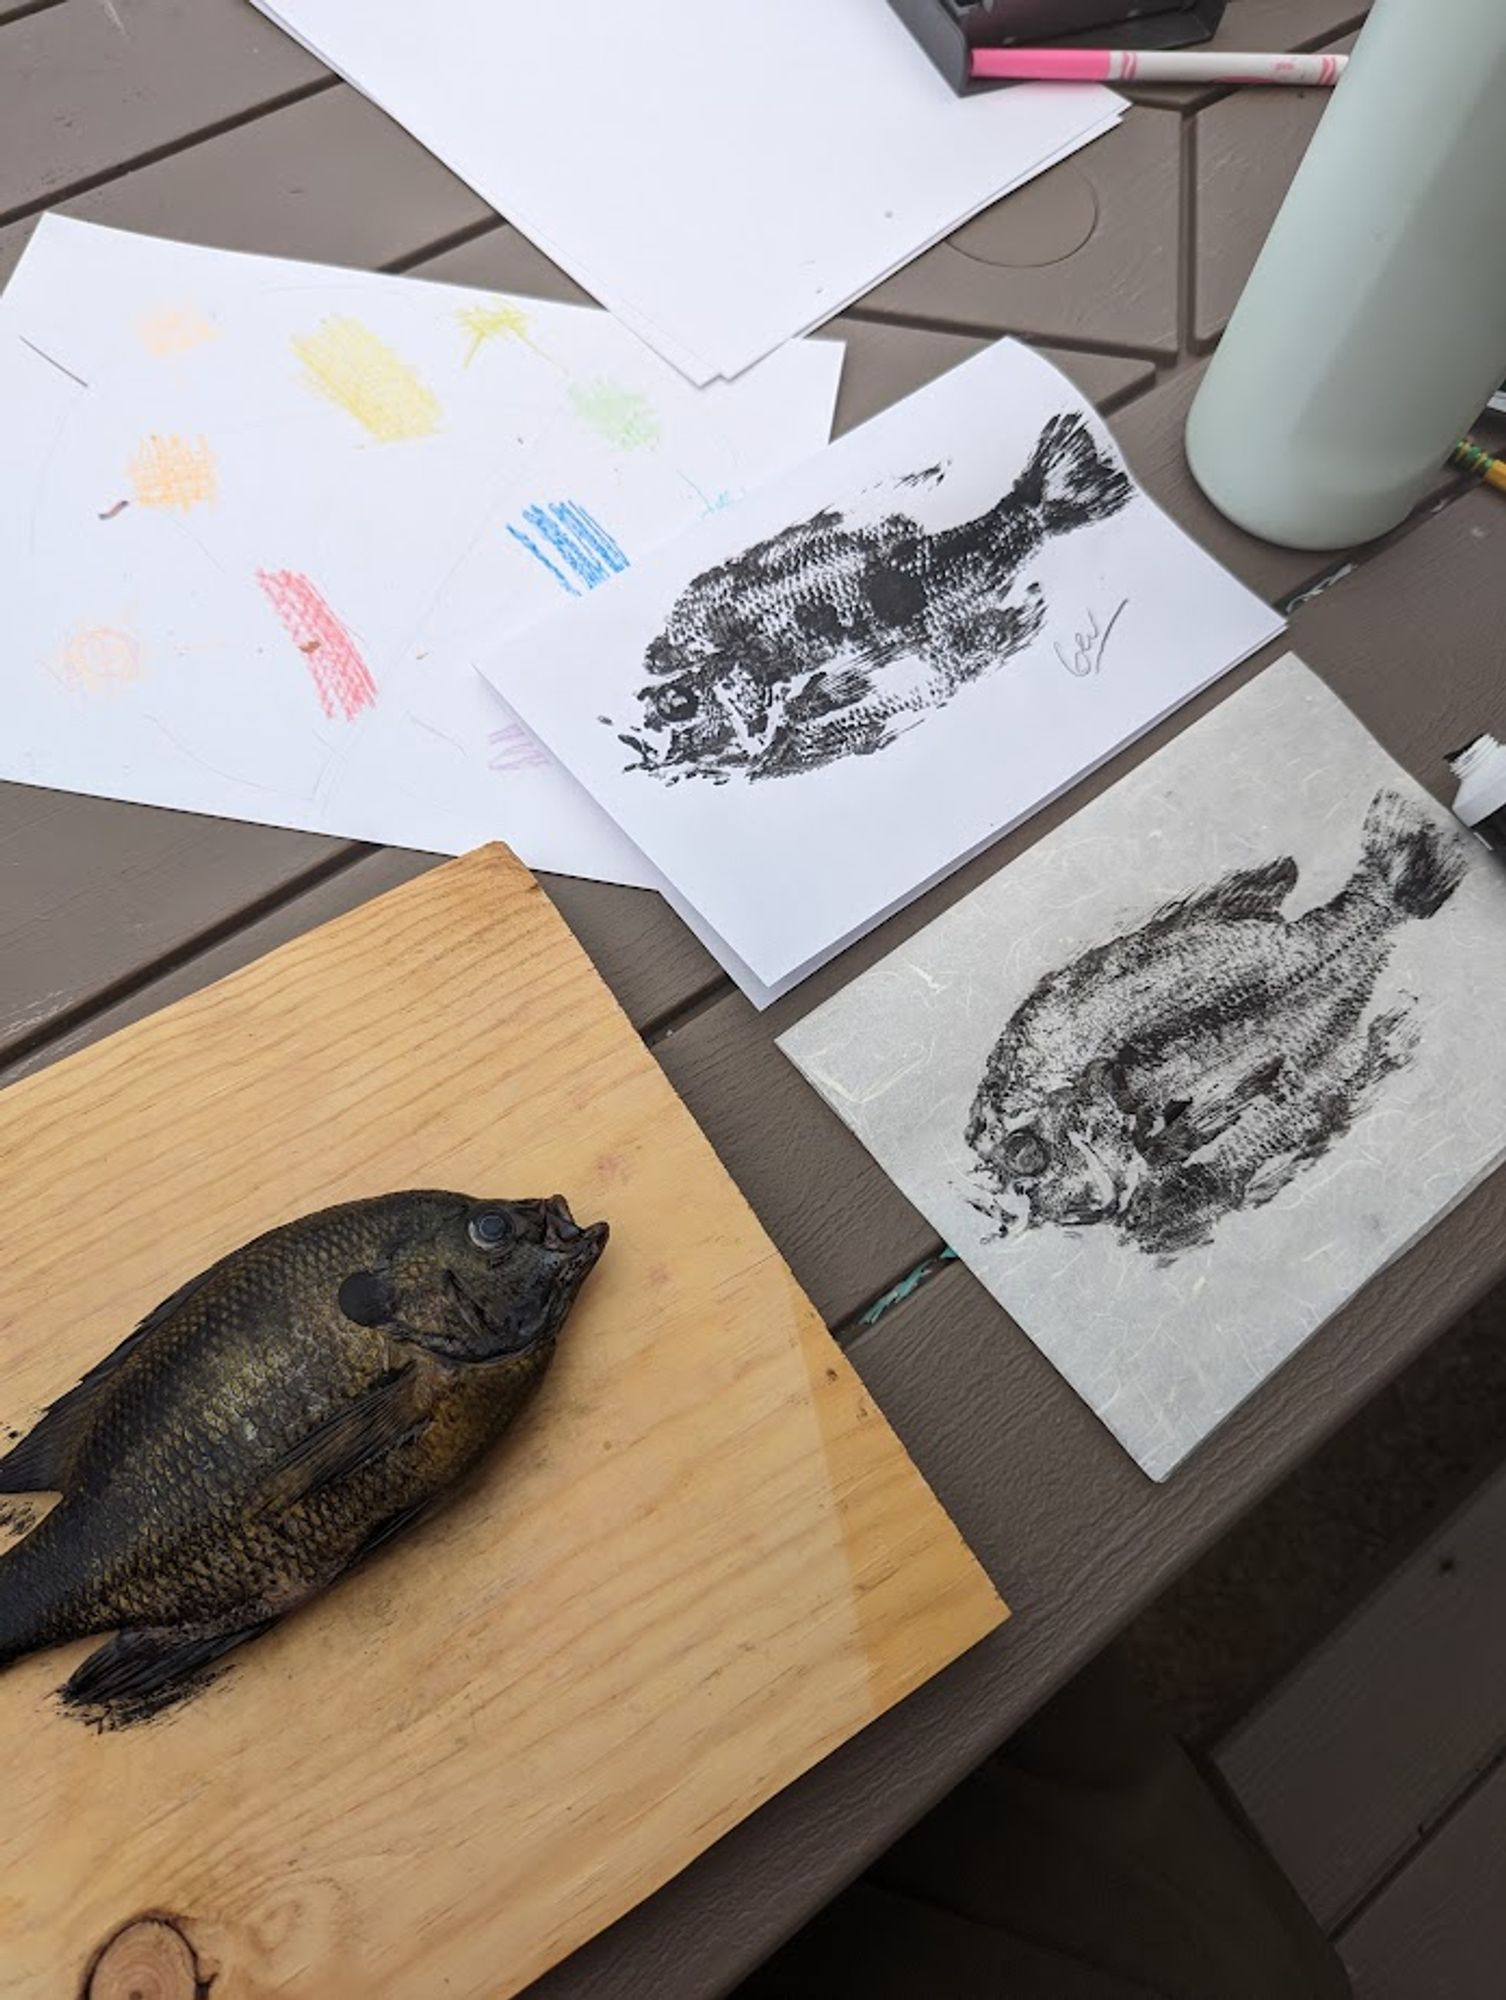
<point x="721" y="179"/>
<point x="815" y="704"/>
<point x="259" y="517"/>
<point x="1180" y="1080"/>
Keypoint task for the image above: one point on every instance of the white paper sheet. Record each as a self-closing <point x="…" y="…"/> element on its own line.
<point x="721" y="182"/>
<point x="1269" y="1058"/>
<point x="836" y="692"/>
<point x="258" y="516"/>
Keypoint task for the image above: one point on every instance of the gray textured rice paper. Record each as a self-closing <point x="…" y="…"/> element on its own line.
<point x="1370" y="1090"/>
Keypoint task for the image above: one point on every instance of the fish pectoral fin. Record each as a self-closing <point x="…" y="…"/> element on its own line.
<point x="44" y="1459"/>
<point x="377" y="1421"/>
<point x="140" y="1672"/>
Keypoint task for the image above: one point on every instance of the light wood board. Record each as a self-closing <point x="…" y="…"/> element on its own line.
<point x="700" y="1562"/>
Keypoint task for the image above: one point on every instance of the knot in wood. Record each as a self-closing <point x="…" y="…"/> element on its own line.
<point x="149" y="1960"/>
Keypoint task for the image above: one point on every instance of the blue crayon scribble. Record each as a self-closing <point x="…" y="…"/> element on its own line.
<point x="581" y="544"/>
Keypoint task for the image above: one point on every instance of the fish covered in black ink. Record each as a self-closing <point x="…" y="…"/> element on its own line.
<point x="1191" y="1068"/>
<point x="272" y="1423"/>
<point x="829" y="638"/>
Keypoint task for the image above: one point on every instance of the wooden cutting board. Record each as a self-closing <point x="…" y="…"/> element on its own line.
<point x="699" y="1563"/>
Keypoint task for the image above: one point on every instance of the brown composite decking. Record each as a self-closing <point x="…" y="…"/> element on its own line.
<point x="197" y="118"/>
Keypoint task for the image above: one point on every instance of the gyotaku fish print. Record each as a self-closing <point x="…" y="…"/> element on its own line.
<point x="826" y="640"/>
<point x="1189" y="1068"/>
<point x="272" y="1423"/>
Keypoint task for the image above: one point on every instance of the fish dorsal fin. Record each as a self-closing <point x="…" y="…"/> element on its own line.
<point x="372" y="1423"/>
<point x="1249" y="892"/>
<point x="43" y="1461"/>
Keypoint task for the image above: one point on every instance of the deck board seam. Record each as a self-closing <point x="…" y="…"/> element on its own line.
<point x="169" y="149"/>
<point x="68" y="1020"/>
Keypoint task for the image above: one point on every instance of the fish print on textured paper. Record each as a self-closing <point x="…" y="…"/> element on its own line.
<point x="1193" y="1067"/>
<point x="273" y="1423"/>
<point x="828" y="639"/>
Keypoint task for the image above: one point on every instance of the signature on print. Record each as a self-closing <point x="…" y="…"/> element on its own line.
<point x="1084" y="658"/>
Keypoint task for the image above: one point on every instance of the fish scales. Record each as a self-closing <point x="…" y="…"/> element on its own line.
<point x="272" y="1422"/>
<point x="827" y="639"/>
<point x="1190" y="1068"/>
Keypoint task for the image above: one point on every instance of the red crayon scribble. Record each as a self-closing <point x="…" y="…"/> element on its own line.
<point x="342" y="680"/>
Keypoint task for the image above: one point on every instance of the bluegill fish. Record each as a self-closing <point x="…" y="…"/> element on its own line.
<point x="1192" y="1067"/>
<point x="272" y="1423"/>
<point x="826" y="640"/>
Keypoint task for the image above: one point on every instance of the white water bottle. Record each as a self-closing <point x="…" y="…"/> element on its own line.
<point x="1373" y="328"/>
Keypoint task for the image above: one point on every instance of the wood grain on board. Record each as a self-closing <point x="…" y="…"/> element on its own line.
<point x="701" y="1563"/>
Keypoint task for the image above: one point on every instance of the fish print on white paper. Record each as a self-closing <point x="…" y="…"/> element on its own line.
<point x="1192" y="1070"/>
<point x="823" y="699"/>
<point x="829" y="638"/>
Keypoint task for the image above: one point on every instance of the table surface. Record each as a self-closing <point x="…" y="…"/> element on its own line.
<point x="198" y="119"/>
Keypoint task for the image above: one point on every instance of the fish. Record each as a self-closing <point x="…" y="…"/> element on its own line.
<point x="1191" y="1068"/>
<point x="271" y="1424"/>
<point x="829" y="638"/>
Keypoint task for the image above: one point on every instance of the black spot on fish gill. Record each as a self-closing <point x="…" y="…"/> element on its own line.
<point x="895" y="594"/>
<point x="930" y="475"/>
<point x="367" y="1298"/>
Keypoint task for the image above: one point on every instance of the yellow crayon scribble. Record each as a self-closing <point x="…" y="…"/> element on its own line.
<point x="174" y="471"/>
<point x="96" y="657"/>
<point x="498" y="321"/>
<point x="349" y="364"/>
<point x="175" y="330"/>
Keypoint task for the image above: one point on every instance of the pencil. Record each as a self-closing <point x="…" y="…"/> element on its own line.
<point x="1473" y="459"/>
<point x="1152" y="66"/>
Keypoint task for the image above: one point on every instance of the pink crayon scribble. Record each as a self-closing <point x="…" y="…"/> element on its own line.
<point x="342" y="680"/>
<point x="513" y="749"/>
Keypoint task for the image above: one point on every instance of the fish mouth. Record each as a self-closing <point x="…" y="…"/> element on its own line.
<point x="582" y="1244"/>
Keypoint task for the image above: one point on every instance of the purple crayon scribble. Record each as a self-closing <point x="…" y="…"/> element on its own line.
<point x="575" y="541"/>
<point x="513" y="749"/>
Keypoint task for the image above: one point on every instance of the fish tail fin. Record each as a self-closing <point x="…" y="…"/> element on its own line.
<point x="1071" y="480"/>
<point x="1418" y="863"/>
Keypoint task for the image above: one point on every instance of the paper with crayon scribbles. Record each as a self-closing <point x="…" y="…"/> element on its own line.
<point x="258" y="515"/>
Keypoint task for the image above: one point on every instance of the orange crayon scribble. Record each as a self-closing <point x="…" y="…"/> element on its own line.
<point x="99" y="657"/>
<point x="175" y="330"/>
<point x="349" y="365"/>
<point x="174" y="472"/>
<point x="342" y="680"/>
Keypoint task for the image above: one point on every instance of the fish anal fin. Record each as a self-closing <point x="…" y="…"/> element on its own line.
<point x="381" y="1418"/>
<point x="1249" y="893"/>
<point x="43" y="1461"/>
<point x="140" y="1672"/>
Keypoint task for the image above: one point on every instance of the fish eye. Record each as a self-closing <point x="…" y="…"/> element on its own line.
<point x="1024" y="1154"/>
<point x="490" y="1229"/>
<point x="677" y="704"/>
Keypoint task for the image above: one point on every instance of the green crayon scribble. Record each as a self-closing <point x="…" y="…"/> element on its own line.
<point x="621" y="417"/>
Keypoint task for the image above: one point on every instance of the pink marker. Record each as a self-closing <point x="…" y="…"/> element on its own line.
<point x="1150" y="66"/>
